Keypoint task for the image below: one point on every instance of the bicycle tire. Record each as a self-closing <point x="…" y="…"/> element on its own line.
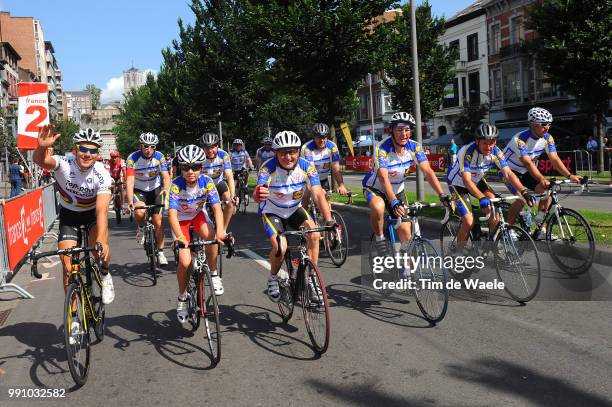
<point x="209" y="309"/>
<point x="193" y="300"/>
<point x="151" y="253"/>
<point x="448" y="244"/>
<point x="286" y="302"/>
<point x="78" y="370"/>
<point x="433" y="307"/>
<point x="99" y="319"/>
<point x="337" y="249"/>
<point x="385" y="276"/>
<point x="117" y="207"/>
<point x="316" y="315"/>
<point x="565" y="250"/>
<point x="511" y="256"/>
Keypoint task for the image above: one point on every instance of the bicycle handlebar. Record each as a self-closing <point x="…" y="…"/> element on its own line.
<point x="228" y="241"/>
<point x="70" y="251"/>
<point x="303" y="231"/>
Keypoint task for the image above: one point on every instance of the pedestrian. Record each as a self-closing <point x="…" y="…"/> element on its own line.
<point x="17" y="173"/>
<point x="453" y="151"/>
<point x="591" y="147"/>
<point x="608" y="153"/>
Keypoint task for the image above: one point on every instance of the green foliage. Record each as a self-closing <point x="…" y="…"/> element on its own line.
<point x="67" y="128"/>
<point x="468" y="121"/>
<point x="436" y="61"/>
<point x="95" y="94"/>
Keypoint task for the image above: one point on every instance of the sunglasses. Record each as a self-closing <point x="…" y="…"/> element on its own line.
<point x="400" y="127"/>
<point x="151" y="146"/>
<point x="292" y="151"/>
<point x="192" y="167"/>
<point x="544" y="124"/>
<point x="83" y="149"/>
<point x="321" y="135"/>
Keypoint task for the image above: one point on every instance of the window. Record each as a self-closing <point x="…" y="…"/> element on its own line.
<point x="463" y="89"/>
<point x="441" y="131"/>
<point x="472" y="47"/>
<point x="474" y="86"/>
<point x="454" y="46"/>
<point x="364" y="107"/>
<point x="496" y="83"/>
<point x="388" y="105"/>
<point x="377" y="105"/>
<point x="517" y="31"/>
<point x="512" y="83"/>
<point x="451" y="94"/>
<point x="495" y="39"/>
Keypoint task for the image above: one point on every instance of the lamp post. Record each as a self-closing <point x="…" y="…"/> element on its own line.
<point x="417" y="96"/>
<point x="371" y="115"/>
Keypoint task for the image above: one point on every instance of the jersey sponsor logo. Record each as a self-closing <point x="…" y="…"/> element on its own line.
<point x="279" y="194"/>
<point x="407" y="172"/>
<point x="298" y="194"/>
<point x="153" y="173"/>
<point x="175" y="189"/>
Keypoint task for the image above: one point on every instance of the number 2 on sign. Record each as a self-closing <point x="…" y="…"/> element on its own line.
<point x="33" y="126"/>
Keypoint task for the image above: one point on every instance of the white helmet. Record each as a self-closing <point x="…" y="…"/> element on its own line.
<point x="487" y="131"/>
<point x="539" y="115"/>
<point x="267" y="140"/>
<point x="88" y="135"/>
<point x="148" y="138"/>
<point x="191" y="154"/>
<point x="210" y="139"/>
<point x="238" y="141"/>
<point x="402" y="117"/>
<point x="320" y="129"/>
<point x="286" y="139"/>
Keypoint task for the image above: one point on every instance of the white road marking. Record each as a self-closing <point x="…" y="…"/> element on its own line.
<point x="257" y="258"/>
<point x="45" y="276"/>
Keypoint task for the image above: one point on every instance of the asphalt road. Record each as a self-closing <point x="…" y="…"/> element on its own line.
<point x="488" y="351"/>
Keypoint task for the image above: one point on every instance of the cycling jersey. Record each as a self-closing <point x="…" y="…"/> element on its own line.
<point x="526" y="144"/>
<point x="286" y="186"/>
<point x="79" y="188"/>
<point x="322" y="158"/>
<point x="216" y="167"/>
<point x="264" y="154"/>
<point x="239" y="159"/>
<point x="189" y="201"/>
<point x="398" y="166"/>
<point x="473" y="161"/>
<point x="116" y="167"/>
<point x="146" y="171"/>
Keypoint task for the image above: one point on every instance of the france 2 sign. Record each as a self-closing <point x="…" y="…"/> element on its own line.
<point x="33" y="113"/>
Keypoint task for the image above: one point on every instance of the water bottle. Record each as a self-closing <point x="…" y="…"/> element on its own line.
<point x="527" y="218"/>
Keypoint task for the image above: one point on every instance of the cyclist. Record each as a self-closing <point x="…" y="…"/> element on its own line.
<point x="84" y="186"/>
<point x="280" y="185"/>
<point x="147" y="182"/>
<point x="117" y="169"/>
<point x="186" y="208"/>
<point x="466" y="177"/>
<point x="217" y="166"/>
<point x="265" y="152"/>
<point x="241" y="162"/>
<point x="383" y="186"/>
<point x="324" y="155"/>
<point x="523" y="150"/>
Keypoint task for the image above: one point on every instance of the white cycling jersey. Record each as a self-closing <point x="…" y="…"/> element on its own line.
<point x="146" y="171"/>
<point x="264" y="154"/>
<point x="79" y="189"/>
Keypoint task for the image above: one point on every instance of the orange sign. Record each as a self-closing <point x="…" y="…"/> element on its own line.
<point x="24" y="224"/>
<point x="33" y="113"/>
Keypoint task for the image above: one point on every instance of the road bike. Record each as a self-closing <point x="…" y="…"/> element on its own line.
<point x="83" y="306"/>
<point x="428" y="275"/>
<point x="150" y="243"/>
<point x="242" y="191"/>
<point x="514" y="252"/>
<point x="303" y="282"/>
<point x="336" y="242"/>
<point x="117" y="199"/>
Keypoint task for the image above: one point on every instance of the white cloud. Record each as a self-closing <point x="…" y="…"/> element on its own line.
<point x="113" y="90"/>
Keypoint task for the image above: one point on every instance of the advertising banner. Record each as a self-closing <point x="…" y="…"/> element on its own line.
<point x="24" y="224"/>
<point x="33" y="113"/>
<point x="359" y="163"/>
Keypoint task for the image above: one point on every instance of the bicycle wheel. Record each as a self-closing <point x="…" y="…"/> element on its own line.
<point x="117" y="207"/>
<point x="193" y="299"/>
<point x="430" y="276"/>
<point x="77" y="342"/>
<point x="286" y="286"/>
<point x="573" y="250"/>
<point x="209" y="310"/>
<point x="448" y="244"/>
<point x="151" y="253"/>
<point x="98" y="320"/>
<point x="517" y="263"/>
<point x="388" y="274"/>
<point x="315" y="306"/>
<point x="336" y="243"/>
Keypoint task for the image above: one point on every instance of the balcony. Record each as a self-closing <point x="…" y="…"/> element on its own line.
<point x="513" y="50"/>
<point x="448" y="103"/>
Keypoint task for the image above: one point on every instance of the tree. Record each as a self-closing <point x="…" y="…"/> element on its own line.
<point x="95" y="95"/>
<point x="436" y="61"/>
<point x="67" y="128"/>
<point x="573" y="49"/>
<point x="468" y="121"/>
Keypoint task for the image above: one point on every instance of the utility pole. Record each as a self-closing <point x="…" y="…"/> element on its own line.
<point x="417" y="96"/>
<point x="371" y="114"/>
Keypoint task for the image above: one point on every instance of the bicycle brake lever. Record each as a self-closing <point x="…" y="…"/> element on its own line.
<point x="34" y="270"/>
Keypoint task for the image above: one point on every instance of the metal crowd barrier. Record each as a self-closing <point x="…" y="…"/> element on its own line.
<point x="583" y="162"/>
<point x="50" y="215"/>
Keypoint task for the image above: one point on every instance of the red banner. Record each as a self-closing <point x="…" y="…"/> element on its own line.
<point x="24" y="224"/>
<point x="362" y="163"/>
<point x="33" y="113"/>
<point x="437" y="162"/>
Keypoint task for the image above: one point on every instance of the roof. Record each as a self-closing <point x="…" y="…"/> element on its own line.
<point x="473" y="10"/>
<point x="10" y="47"/>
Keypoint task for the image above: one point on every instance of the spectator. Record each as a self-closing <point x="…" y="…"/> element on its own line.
<point x="608" y="153"/>
<point x="17" y="173"/>
<point x="453" y="151"/>
<point x="591" y="147"/>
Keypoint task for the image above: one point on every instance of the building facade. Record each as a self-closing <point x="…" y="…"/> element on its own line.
<point x="106" y="113"/>
<point x="77" y="104"/>
<point x="132" y="78"/>
<point x="27" y="37"/>
<point x="54" y="81"/>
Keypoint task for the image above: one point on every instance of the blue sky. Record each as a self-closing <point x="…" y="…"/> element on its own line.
<point x="95" y="41"/>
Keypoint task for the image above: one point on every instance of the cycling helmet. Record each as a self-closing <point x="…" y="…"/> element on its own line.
<point x="267" y="140"/>
<point x="286" y="139"/>
<point x="320" y="129"/>
<point x="148" y="139"/>
<point x="539" y="115"/>
<point x="115" y="154"/>
<point x="191" y="154"/>
<point x="88" y="135"/>
<point x="402" y="117"/>
<point x="210" y="139"/>
<point x="238" y="141"/>
<point x="487" y="131"/>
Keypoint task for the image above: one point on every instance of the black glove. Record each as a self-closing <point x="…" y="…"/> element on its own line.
<point x="529" y="197"/>
<point x="445" y="199"/>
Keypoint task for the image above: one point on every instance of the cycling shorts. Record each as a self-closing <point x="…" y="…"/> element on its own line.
<point x="370" y="192"/>
<point x="526" y="179"/>
<point x="222" y="188"/>
<point x="461" y="196"/>
<point x="149" y="197"/>
<point x="200" y="219"/>
<point x="70" y="224"/>
<point x="274" y="224"/>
